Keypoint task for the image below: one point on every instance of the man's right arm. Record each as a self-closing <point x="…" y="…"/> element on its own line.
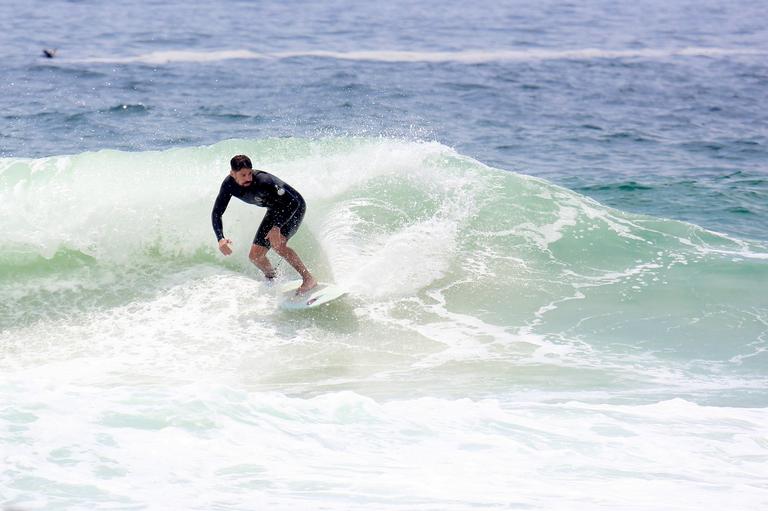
<point x="219" y="207"/>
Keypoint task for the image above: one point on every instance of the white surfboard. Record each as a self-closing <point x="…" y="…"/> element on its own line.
<point x="317" y="296"/>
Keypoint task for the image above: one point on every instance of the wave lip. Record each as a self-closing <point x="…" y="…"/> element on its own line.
<point x="463" y="56"/>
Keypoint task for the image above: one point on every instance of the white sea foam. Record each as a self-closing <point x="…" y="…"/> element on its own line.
<point x="200" y="446"/>
<point x="464" y="56"/>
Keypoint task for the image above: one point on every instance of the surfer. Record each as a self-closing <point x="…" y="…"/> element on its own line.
<point x="285" y="211"/>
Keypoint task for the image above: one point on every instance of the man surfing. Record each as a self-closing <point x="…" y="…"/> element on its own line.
<point x="285" y="211"/>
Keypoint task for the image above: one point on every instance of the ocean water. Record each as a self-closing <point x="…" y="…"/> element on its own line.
<point x="550" y="218"/>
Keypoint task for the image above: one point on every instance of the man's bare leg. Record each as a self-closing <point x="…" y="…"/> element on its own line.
<point x="290" y="255"/>
<point x="258" y="256"/>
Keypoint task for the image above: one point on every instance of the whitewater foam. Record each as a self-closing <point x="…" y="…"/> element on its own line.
<point x="200" y="451"/>
<point x="465" y="57"/>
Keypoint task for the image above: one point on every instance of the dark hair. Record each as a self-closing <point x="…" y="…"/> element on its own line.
<point x="240" y="161"/>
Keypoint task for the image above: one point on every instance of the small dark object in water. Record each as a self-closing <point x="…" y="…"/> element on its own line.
<point x="49" y="53"/>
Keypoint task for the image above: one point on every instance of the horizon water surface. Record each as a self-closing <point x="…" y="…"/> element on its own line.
<point x="550" y="218"/>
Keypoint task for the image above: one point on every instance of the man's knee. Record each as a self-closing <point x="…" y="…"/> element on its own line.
<point x="257" y="252"/>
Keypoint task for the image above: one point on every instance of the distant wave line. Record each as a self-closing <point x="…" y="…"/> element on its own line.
<point x="468" y="56"/>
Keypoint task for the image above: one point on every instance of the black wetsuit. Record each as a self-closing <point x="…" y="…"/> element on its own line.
<point x="285" y="206"/>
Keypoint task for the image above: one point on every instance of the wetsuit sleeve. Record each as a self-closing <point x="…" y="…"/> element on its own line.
<point x="219" y="207"/>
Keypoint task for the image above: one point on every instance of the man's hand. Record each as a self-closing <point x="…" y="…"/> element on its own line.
<point x="224" y="246"/>
<point x="276" y="238"/>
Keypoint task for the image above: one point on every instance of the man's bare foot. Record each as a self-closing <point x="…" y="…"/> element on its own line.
<point x="270" y="275"/>
<point x="306" y="286"/>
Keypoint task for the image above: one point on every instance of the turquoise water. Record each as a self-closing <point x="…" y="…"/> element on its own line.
<point x="550" y="220"/>
<point x="496" y="322"/>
